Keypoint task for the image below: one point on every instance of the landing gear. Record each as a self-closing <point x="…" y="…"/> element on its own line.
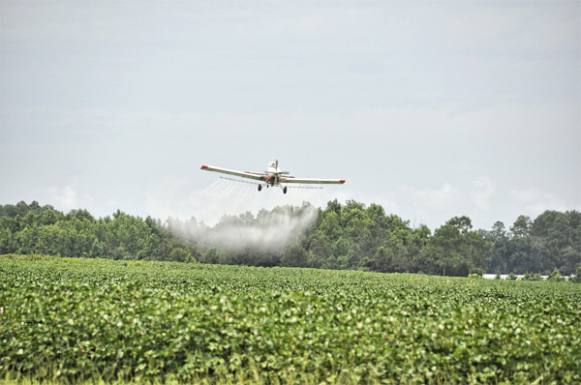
<point x="284" y="190"/>
<point x="259" y="187"/>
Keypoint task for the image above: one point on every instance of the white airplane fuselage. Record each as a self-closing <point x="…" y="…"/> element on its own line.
<point x="273" y="173"/>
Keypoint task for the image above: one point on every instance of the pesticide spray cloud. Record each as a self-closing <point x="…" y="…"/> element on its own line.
<point x="266" y="232"/>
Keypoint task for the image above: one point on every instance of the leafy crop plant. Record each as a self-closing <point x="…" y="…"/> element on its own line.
<point x="71" y="321"/>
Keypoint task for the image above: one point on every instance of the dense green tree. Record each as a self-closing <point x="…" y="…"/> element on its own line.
<point x="521" y="226"/>
<point x="522" y="257"/>
<point x="6" y="241"/>
<point x="455" y="249"/>
<point x="499" y="251"/>
<point x="295" y="255"/>
<point x="555" y="240"/>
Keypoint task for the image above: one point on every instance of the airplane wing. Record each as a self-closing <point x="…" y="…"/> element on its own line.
<point x="285" y="179"/>
<point x="242" y="174"/>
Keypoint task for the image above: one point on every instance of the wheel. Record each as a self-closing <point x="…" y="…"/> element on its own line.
<point x="284" y="190"/>
<point x="259" y="187"/>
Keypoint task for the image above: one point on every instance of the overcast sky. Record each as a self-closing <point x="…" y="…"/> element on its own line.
<point x="432" y="109"/>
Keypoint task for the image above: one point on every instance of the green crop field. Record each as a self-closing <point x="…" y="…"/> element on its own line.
<point x="91" y="320"/>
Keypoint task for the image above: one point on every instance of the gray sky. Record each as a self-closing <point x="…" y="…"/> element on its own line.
<point x="432" y="109"/>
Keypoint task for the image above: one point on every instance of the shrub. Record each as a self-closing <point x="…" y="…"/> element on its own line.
<point x="555" y="276"/>
<point x="532" y="277"/>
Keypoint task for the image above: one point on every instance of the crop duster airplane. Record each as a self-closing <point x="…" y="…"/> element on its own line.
<point x="272" y="177"/>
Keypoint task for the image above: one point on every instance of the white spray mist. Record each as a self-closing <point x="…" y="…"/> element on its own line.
<point x="267" y="231"/>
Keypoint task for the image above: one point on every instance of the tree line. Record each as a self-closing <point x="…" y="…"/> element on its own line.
<point x="340" y="236"/>
<point x="32" y="228"/>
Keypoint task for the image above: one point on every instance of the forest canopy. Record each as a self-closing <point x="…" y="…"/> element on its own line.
<point x="340" y="236"/>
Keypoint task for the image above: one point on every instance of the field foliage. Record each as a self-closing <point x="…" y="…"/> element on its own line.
<point x="69" y="320"/>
